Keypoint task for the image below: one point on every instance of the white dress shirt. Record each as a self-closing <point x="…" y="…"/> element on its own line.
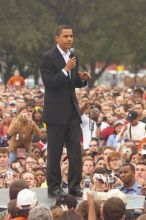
<point x="66" y="58"/>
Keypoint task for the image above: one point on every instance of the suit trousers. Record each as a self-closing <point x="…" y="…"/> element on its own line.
<point x="58" y="135"/>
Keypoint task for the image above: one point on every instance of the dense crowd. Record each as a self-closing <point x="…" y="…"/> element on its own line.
<point x="113" y="139"/>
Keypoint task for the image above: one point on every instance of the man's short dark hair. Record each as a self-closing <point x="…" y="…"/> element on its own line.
<point x="141" y="163"/>
<point x="61" y="27"/>
<point x="40" y="213"/>
<point x="15" y="187"/>
<point x="108" y="147"/>
<point x="130" y="165"/>
<point x="4" y="150"/>
<point x="83" y="208"/>
<point x="94" y="139"/>
<point x="70" y="214"/>
<point x="113" y="209"/>
<point x="139" y="90"/>
<point x="101" y="170"/>
<point x="68" y="200"/>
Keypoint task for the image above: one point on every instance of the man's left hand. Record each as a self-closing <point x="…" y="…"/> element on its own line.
<point x="84" y="75"/>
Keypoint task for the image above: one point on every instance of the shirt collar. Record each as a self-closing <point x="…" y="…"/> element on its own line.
<point x="62" y="52"/>
<point x="134" y="186"/>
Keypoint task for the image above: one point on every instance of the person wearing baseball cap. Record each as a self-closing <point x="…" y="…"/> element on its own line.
<point x="112" y="140"/>
<point x="134" y="130"/>
<point x="26" y="200"/>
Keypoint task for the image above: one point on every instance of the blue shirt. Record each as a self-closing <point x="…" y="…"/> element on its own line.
<point x="133" y="190"/>
<point x="111" y="141"/>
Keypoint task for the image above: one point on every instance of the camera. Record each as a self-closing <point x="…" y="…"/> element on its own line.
<point x="9" y="174"/>
<point x="100" y="178"/>
<point x="2" y="175"/>
<point x="127" y="150"/>
<point x="87" y="183"/>
<point x="111" y="178"/>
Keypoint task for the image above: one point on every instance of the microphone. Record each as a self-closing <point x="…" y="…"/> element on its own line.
<point x="72" y="52"/>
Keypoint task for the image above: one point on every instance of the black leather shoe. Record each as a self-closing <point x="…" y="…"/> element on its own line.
<point x="76" y="193"/>
<point x="56" y="192"/>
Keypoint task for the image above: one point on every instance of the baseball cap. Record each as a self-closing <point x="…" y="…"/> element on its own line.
<point x="13" y="102"/>
<point x="132" y="115"/>
<point x="26" y="199"/>
<point x="117" y="122"/>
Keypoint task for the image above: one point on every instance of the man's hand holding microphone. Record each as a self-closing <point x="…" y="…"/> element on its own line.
<point x="72" y="63"/>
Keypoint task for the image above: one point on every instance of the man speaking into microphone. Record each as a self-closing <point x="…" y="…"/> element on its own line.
<point x="60" y="75"/>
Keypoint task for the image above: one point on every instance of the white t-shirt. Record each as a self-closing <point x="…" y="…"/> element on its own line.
<point x="86" y="125"/>
<point x="137" y="132"/>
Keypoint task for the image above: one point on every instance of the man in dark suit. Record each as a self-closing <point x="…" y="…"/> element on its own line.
<point x="60" y="76"/>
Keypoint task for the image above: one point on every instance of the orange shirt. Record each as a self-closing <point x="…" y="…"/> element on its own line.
<point x="16" y="81"/>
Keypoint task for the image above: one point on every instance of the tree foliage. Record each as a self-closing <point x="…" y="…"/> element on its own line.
<point x="110" y="31"/>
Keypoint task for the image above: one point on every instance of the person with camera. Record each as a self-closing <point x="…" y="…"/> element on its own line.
<point x="100" y="183"/>
<point x="20" y="133"/>
<point x="103" y="181"/>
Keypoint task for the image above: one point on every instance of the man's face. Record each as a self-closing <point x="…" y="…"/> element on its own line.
<point x="65" y="39"/>
<point x="100" y="164"/>
<point x="140" y="171"/>
<point x="119" y="111"/>
<point x="37" y="153"/>
<point x="143" y="188"/>
<point x="100" y="185"/>
<point x="44" y="135"/>
<point x="134" y="122"/>
<point x="115" y="163"/>
<point x="30" y="179"/>
<point x="138" y="109"/>
<point x="105" y="109"/>
<point x="106" y="153"/>
<point x="3" y="160"/>
<point x="40" y="176"/>
<point x="93" y="146"/>
<point x="30" y="163"/>
<point x="119" y="100"/>
<point x="135" y="158"/>
<point x="88" y="167"/>
<point x="111" y="118"/>
<point x="126" y="174"/>
<point x="118" y="128"/>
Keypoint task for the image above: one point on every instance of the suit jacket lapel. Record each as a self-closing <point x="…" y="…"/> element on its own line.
<point x="59" y="57"/>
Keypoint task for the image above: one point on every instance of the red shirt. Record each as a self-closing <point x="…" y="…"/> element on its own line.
<point x="106" y="132"/>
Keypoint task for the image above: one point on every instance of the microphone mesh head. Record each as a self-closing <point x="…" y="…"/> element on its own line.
<point x="72" y="50"/>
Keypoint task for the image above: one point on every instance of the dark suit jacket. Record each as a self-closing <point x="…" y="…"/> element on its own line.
<point x="59" y="90"/>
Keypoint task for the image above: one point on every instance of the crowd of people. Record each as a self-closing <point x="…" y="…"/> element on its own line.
<point x="113" y="141"/>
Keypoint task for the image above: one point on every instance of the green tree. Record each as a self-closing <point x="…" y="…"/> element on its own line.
<point x="112" y="31"/>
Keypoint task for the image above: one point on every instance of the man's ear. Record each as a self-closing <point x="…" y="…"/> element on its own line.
<point x="56" y="38"/>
